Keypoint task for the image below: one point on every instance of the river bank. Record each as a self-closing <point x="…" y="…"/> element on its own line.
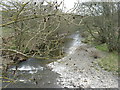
<point x="78" y="69"/>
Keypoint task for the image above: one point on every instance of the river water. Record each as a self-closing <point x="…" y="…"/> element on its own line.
<point x="34" y="73"/>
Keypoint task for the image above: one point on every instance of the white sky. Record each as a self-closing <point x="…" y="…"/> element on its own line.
<point x="70" y="3"/>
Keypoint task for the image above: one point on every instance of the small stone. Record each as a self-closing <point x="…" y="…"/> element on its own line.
<point x="66" y="87"/>
<point x="36" y="82"/>
<point x="74" y="85"/>
<point x="75" y="69"/>
<point x="95" y="57"/>
<point x="79" y="87"/>
<point x="98" y="76"/>
<point x="81" y="71"/>
<point x="85" y="80"/>
<point x="49" y="82"/>
<point x="86" y="50"/>
<point x="34" y="79"/>
<point x="92" y="66"/>
<point x="82" y="85"/>
<point x="101" y="81"/>
<point x="66" y="63"/>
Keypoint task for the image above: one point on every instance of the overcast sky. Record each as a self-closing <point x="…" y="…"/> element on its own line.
<point x="70" y="3"/>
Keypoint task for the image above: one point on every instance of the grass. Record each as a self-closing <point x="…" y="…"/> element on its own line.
<point x="102" y="47"/>
<point x="110" y="61"/>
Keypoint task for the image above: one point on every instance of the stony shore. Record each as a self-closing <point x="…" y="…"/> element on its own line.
<point x="78" y="69"/>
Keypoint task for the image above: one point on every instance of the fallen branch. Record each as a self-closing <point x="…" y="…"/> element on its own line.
<point x="15" y="51"/>
<point x="24" y="55"/>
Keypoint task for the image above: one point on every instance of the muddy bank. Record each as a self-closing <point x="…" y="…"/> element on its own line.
<point x="78" y="69"/>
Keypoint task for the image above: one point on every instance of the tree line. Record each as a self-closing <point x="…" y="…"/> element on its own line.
<point x="103" y="22"/>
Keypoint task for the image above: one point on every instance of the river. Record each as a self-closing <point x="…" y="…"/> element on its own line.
<point x="34" y="73"/>
<point x="76" y="70"/>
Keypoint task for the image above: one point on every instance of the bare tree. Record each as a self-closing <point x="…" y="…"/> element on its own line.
<point x="102" y="22"/>
<point x="36" y="28"/>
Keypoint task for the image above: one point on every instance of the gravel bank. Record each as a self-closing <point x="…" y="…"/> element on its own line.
<point x="78" y="69"/>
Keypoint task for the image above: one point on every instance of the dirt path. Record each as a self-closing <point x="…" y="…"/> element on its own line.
<point x="78" y="70"/>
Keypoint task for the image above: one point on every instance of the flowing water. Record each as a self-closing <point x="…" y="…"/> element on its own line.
<point x="35" y="74"/>
<point x="76" y="42"/>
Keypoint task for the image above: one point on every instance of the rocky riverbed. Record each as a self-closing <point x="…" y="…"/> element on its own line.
<point x="79" y="69"/>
